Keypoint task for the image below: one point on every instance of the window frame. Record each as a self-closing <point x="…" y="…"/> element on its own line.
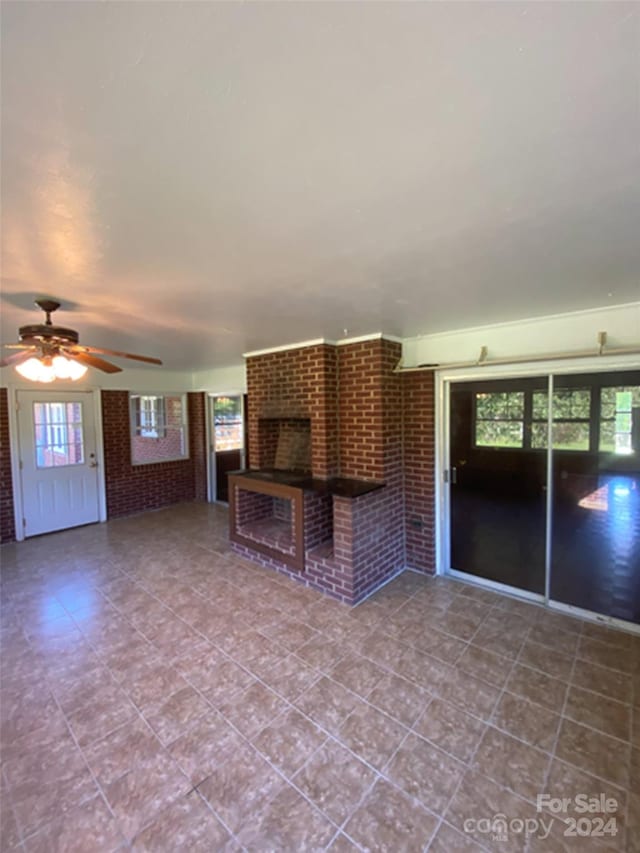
<point x="505" y="420"/>
<point x="158" y="431"/>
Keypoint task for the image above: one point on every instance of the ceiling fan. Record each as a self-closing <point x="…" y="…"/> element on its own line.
<point x="51" y="352"/>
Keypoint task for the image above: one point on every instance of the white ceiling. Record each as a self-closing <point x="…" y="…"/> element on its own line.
<point x="194" y="180"/>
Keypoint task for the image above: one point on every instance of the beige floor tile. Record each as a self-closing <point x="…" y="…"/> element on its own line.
<point x="342" y="844"/>
<point x="541" y="657"/>
<point x="511" y="763"/>
<point x="605" y="654"/>
<point x="227" y="680"/>
<point x="92" y="722"/>
<point x="172" y="717"/>
<point x="527" y="721"/>
<point x="600" y="712"/>
<point x="600" y="679"/>
<point x="129" y="746"/>
<point x="486" y="665"/>
<point x="449" y="840"/>
<point x="328" y="704"/>
<point x="321" y="653"/>
<point x="204" y="746"/>
<point x="479" y="800"/>
<point x="287" y="822"/>
<point x="186" y="824"/>
<point x="253" y="709"/>
<point x="289" y="741"/>
<point x="59" y="760"/>
<point x="425" y="772"/>
<point x="143" y="793"/>
<point x="335" y="780"/>
<point x="290" y="677"/>
<point x="390" y="820"/>
<point x="37" y="804"/>
<point x="371" y="735"/>
<point x="401" y="699"/>
<point x="538" y="687"/>
<point x="357" y="673"/>
<point x="594" y="752"/>
<point x="633" y="825"/>
<point x="90" y="826"/>
<point x="238" y="789"/>
<point x="470" y="694"/>
<point x="450" y="729"/>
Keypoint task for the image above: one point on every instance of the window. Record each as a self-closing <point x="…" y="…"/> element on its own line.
<point x="150" y="415"/>
<point x="227" y="422"/>
<point x="616" y="419"/>
<point x="571" y="415"/>
<point x="158" y="428"/>
<point x="499" y="419"/>
<point x="58" y="434"/>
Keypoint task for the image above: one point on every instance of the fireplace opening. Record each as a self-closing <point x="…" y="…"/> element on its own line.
<point x="285" y="444"/>
<point x="268" y="517"/>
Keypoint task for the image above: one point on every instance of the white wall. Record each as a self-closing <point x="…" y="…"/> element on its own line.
<point x="557" y="333"/>
<point x="134" y="379"/>
<point x="221" y="380"/>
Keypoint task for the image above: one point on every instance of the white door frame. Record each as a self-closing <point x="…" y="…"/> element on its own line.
<point x="96" y="400"/>
<point x="443" y="380"/>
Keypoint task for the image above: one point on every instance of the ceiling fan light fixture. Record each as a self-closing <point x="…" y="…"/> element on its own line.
<point x="66" y="368"/>
<point x="47" y="369"/>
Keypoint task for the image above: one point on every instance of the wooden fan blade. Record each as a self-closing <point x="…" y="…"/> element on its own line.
<point x="17" y="357"/>
<point x="18" y="346"/>
<point x="92" y="361"/>
<point x="146" y="358"/>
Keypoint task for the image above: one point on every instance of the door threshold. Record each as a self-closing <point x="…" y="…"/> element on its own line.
<point x="495" y="586"/>
<point x="594" y="618"/>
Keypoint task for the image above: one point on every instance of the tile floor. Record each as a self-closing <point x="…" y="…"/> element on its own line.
<point x="158" y="693"/>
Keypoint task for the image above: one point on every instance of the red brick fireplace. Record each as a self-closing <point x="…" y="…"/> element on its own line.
<point x="348" y="401"/>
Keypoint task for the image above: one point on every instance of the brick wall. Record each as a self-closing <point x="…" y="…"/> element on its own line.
<point x="369" y="531"/>
<point x="294" y="384"/>
<point x="360" y="412"/>
<point x="418" y="400"/>
<point x="135" y="488"/>
<point x="198" y="448"/>
<point x="7" y="521"/>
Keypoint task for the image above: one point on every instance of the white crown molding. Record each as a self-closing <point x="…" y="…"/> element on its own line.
<point x="374" y="336"/>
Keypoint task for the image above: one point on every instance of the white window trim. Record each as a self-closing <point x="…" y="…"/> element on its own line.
<point x="185" y="426"/>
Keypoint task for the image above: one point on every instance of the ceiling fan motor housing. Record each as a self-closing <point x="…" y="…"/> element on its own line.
<point x="48" y="334"/>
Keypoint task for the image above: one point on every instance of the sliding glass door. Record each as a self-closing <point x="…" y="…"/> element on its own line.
<point x="576" y="538"/>
<point x="497" y="481"/>
<point x="595" y="535"/>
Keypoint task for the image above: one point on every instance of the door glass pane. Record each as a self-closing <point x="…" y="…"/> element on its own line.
<point x="227" y="418"/>
<point x="498" y="490"/>
<point x="58" y="434"/>
<point x="595" y="543"/>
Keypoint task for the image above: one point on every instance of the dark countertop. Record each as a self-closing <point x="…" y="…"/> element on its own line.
<point x="341" y="487"/>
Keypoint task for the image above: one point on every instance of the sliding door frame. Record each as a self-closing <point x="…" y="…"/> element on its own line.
<point x="443" y="381"/>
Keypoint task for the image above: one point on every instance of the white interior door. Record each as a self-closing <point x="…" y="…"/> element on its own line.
<point x="58" y="460"/>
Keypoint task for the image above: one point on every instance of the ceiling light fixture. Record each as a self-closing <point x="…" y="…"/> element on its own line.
<point x="47" y="352"/>
<point x="47" y="368"/>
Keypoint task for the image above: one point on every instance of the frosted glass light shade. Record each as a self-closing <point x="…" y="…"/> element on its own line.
<point x="65" y="368"/>
<point x="46" y="369"/>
